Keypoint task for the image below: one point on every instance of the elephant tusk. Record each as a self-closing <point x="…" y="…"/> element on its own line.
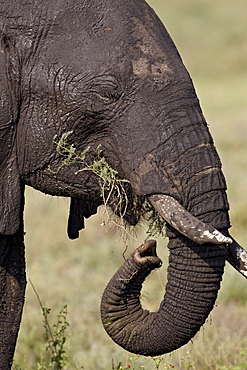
<point x="196" y="230"/>
<point x="237" y="257"/>
<point x="177" y="216"/>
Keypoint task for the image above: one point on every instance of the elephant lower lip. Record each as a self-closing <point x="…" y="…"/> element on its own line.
<point x="79" y="209"/>
<point x="76" y="218"/>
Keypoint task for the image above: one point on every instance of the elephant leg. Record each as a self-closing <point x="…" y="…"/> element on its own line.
<point x="12" y="294"/>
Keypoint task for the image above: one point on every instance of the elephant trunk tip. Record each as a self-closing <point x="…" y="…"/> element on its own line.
<point x="146" y="255"/>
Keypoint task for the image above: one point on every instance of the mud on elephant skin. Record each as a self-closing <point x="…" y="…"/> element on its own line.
<point x="108" y="71"/>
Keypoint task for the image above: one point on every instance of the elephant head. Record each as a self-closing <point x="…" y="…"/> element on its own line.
<point x="109" y="73"/>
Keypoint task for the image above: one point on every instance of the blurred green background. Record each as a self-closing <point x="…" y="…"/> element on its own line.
<point x="211" y="36"/>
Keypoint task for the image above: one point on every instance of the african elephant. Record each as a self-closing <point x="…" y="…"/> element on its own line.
<point x="108" y="72"/>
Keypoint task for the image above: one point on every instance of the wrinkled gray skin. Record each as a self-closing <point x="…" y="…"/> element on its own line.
<point x="108" y="71"/>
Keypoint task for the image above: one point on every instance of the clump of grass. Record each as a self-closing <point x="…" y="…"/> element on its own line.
<point x="111" y="185"/>
<point x="109" y="181"/>
<point x="108" y="177"/>
<point x="156" y="224"/>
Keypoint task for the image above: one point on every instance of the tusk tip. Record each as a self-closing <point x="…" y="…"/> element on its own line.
<point x="229" y="241"/>
<point x="217" y="238"/>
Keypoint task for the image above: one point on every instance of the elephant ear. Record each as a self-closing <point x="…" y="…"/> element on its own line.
<point x="10" y="183"/>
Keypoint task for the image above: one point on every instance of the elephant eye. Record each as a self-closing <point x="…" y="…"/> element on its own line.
<point x="108" y="95"/>
<point x="106" y="88"/>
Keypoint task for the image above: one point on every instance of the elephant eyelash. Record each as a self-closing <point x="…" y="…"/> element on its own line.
<point x="106" y="88"/>
<point x="109" y="96"/>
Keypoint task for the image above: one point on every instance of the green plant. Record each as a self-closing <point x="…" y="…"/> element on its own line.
<point x="156" y="362"/>
<point x="131" y="364"/>
<point x="55" y="338"/>
<point x="156" y="224"/>
<point x="108" y="177"/>
<point x="112" y="187"/>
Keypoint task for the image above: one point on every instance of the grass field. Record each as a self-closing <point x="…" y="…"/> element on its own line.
<point x="211" y="37"/>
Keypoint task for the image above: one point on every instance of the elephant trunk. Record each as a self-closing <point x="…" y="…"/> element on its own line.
<point x="194" y="276"/>
<point x="182" y="178"/>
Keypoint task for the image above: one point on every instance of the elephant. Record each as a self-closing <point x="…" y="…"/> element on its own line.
<point x="108" y="73"/>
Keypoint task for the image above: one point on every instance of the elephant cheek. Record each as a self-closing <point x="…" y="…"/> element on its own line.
<point x="148" y="178"/>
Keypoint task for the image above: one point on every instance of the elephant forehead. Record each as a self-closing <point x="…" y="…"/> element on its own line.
<point x="144" y="67"/>
<point x="151" y="58"/>
<point x="147" y="38"/>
